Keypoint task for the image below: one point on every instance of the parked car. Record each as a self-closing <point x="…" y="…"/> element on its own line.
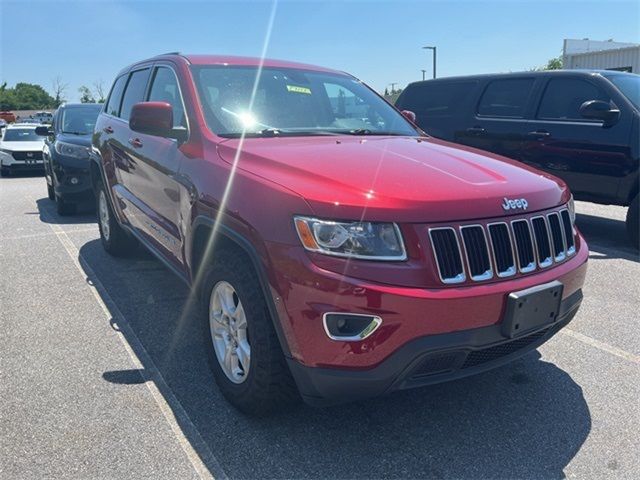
<point x="583" y="126"/>
<point x="337" y="252"/>
<point x="20" y="149"/>
<point x="3" y="124"/>
<point x="9" y="117"/>
<point x="66" y="155"/>
<point x="43" y="117"/>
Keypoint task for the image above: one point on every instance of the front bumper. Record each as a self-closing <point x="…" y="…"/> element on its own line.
<point x="72" y="182"/>
<point x="427" y="360"/>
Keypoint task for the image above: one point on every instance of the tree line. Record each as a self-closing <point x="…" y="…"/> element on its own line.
<point x="31" y="96"/>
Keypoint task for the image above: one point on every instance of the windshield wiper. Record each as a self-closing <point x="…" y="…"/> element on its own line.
<point x="366" y="131"/>
<point x="75" y="133"/>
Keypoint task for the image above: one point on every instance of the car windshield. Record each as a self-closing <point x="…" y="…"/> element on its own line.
<point x="292" y="102"/>
<point x="79" y="120"/>
<point x="21" y="135"/>
<point x="629" y="85"/>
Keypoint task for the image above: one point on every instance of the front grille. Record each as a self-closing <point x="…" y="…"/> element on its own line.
<point x="478" y="357"/>
<point x="27" y="155"/>
<point x="543" y="247"/>
<point x="477" y="252"/>
<point x="447" y="248"/>
<point x="524" y="245"/>
<point x="535" y="242"/>
<point x="556" y="234"/>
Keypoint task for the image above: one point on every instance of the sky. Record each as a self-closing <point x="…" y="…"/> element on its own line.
<point x="88" y="41"/>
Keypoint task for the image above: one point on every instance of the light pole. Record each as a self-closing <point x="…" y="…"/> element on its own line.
<point x="423" y="73"/>
<point x="434" y="59"/>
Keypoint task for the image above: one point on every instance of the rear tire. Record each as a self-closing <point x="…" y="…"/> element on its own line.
<point x="632" y="222"/>
<point x="115" y="240"/>
<point x="267" y="384"/>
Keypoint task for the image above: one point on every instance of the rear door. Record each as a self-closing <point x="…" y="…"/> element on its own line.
<point x="589" y="157"/>
<point x="152" y="190"/>
<point x="499" y="121"/>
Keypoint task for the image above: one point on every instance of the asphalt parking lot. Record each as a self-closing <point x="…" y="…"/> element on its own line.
<point x="102" y="374"/>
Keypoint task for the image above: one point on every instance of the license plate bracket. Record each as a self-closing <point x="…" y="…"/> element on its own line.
<point x="531" y="309"/>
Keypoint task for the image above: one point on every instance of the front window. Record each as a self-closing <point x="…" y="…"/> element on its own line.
<point x="21" y="135"/>
<point x="292" y="102"/>
<point x="79" y="120"/>
<point x="629" y="85"/>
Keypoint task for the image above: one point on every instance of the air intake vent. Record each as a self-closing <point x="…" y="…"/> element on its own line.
<point x="447" y="252"/>
<point x="568" y="232"/>
<point x="524" y="245"/>
<point x="476" y="248"/>
<point x="557" y="236"/>
<point x="502" y="250"/>
<point x="541" y="233"/>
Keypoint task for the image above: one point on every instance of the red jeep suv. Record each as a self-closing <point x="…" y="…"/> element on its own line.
<point x="338" y="251"/>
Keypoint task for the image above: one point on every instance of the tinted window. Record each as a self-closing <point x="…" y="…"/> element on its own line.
<point x="505" y="98"/>
<point x="437" y="99"/>
<point x="629" y="85"/>
<point x="165" y="89"/>
<point x="79" y="120"/>
<point x="113" y="106"/>
<point x="134" y="92"/>
<point x="563" y="97"/>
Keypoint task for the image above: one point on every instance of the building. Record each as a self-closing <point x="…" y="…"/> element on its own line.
<point x="601" y="55"/>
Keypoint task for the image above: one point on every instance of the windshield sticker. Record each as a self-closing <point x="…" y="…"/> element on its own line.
<point x="296" y="89"/>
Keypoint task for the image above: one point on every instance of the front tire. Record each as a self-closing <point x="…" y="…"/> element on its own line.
<point x="4" y="172"/>
<point x="115" y="240"/>
<point x="243" y="348"/>
<point x="50" y="192"/>
<point x="632" y="222"/>
<point x="63" y="206"/>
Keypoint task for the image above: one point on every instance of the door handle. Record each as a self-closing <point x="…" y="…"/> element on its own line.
<point x="135" y="142"/>
<point x="539" y="134"/>
<point x="108" y="129"/>
<point x="476" y="130"/>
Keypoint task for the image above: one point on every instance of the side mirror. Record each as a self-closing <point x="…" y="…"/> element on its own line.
<point x="409" y="115"/>
<point x="44" y="131"/>
<point x="599" y="110"/>
<point x="155" y="118"/>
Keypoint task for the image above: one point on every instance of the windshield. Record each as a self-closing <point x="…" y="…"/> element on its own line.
<point x="79" y="120"/>
<point x="293" y="102"/>
<point x="21" y="135"/>
<point x="629" y="85"/>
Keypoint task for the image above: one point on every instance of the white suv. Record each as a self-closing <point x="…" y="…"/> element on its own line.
<point x="20" y="149"/>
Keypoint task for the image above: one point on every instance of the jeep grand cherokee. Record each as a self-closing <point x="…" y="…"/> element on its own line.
<point x="338" y="252"/>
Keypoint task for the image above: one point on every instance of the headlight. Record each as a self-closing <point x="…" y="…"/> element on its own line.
<point x="571" y="206"/>
<point x="363" y="240"/>
<point x="70" y="150"/>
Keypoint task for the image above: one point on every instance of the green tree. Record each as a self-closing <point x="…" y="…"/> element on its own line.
<point x="86" y="96"/>
<point x="25" y="96"/>
<point x="553" y="64"/>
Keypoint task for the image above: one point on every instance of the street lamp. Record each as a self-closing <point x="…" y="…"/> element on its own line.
<point x="423" y="73"/>
<point x="434" y="59"/>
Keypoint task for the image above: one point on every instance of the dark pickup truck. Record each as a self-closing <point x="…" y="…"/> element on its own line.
<point x="582" y="126"/>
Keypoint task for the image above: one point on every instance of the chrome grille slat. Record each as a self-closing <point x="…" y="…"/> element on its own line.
<point x="502" y="249"/>
<point x="477" y="252"/>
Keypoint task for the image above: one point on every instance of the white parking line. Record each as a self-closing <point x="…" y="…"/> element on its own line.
<point x="605" y="347"/>
<point x="198" y="452"/>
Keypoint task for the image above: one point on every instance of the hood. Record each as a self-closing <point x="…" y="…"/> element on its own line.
<point x="84" y="140"/>
<point x="396" y="178"/>
<point x="33" y="146"/>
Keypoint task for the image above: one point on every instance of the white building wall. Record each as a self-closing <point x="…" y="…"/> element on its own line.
<point x="606" y="59"/>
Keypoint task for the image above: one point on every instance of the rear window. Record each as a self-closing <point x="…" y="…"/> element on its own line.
<point x="134" y="92"/>
<point x="506" y="98"/>
<point x="563" y="97"/>
<point x="437" y="99"/>
<point x="113" y="105"/>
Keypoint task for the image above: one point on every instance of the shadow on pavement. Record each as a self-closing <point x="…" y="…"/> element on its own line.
<point x="525" y="420"/>
<point x="85" y="213"/>
<point x="607" y="237"/>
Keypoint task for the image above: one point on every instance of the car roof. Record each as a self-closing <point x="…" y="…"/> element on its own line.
<point x="22" y="125"/>
<point x="532" y="73"/>
<point x="196" y="59"/>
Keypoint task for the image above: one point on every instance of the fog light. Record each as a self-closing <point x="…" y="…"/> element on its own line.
<point x="350" y="327"/>
<point x="74" y="180"/>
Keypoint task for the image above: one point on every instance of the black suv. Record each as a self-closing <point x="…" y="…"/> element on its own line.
<point x="582" y="126"/>
<point x="66" y="154"/>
